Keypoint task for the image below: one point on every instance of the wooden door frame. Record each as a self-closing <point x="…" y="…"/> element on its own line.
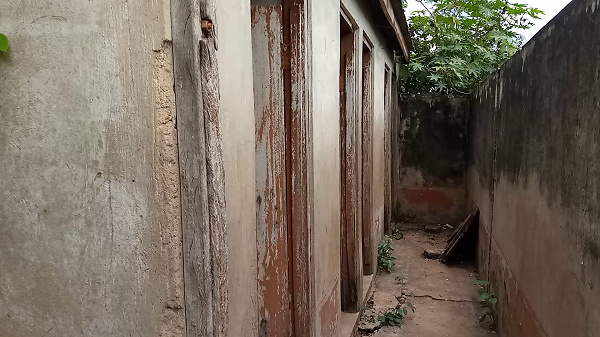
<point x="350" y="206"/>
<point x="369" y="254"/>
<point x="201" y="167"/>
<point x="296" y="37"/>
<point x="387" y="225"/>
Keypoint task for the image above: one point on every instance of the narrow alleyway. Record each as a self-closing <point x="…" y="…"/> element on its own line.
<point x="444" y="296"/>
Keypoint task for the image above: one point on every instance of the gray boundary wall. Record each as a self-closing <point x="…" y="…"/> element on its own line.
<point x="534" y="173"/>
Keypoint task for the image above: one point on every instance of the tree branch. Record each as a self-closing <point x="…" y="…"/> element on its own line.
<point x="427" y="9"/>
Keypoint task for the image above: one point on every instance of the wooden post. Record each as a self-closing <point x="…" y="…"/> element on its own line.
<point x="201" y="166"/>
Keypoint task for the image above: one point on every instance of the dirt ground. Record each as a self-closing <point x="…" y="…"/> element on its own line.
<point x="444" y="296"/>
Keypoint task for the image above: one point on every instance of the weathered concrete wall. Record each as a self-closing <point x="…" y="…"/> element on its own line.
<point x="534" y="174"/>
<point x="237" y="121"/>
<point x="325" y="27"/>
<point x="90" y="234"/>
<point x="431" y="183"/>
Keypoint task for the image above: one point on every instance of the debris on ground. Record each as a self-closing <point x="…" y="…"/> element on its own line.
<point x="379" y="303"/>
<point x="434" y="229"/>
<point x="432" y="254"/>
<point x="462" y="231"/>
<point x="369" y="321"/>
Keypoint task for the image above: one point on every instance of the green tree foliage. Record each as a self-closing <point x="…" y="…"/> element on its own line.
<point x="459" y="42"/>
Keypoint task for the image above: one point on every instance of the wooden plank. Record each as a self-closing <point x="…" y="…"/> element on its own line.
<point x="460" y="227"/>
<point x="271" y="230"/>
<point x="201" y="166"/>
<point x="458" y="235"/>
<point x="368" y="252"/>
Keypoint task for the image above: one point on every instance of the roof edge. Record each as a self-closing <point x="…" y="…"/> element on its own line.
<point x="402" y="20"/>
<point x="394" y="12"/>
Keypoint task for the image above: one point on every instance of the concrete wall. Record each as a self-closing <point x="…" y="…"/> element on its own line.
<point x="90" y="240"/>
<point x="325" y="28"/>
<point x="237" y="127"/>
<point x="534" y="174"/>
<point x="432" y="152"/>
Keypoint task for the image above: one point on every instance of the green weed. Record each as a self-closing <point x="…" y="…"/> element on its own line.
<point x="487" y="299"/>
<point x="395" y="316"/>
<point x="385" y="260"/>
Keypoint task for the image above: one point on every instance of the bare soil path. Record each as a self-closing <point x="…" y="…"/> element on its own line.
<point x="444" y="296"/>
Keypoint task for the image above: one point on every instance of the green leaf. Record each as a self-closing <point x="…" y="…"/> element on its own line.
<point x="3" y="43"/>
<point x="483" y="297"/>
<point x="493" y="300"/>
<point x="481" y="283"/>
<point x="434" y="77"/>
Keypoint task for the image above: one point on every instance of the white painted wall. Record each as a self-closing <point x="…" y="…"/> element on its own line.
<point x="237" y="122"/>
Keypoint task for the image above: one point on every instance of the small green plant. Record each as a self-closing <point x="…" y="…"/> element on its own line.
<point x="487" y="299"/>
<point x="3" y="43"/>
<point x="385" y="260"/>
<point x="395" y="316"/>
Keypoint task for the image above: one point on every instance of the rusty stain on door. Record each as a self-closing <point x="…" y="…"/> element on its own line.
<point x="272" y="228"/>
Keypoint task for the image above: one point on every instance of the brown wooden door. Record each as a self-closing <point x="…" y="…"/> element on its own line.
<point x="271" y="190"/>
<point x="351" y="267"/>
